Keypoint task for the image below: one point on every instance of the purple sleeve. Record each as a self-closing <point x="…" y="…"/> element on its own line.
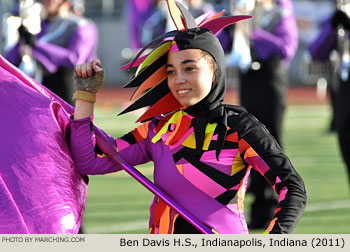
<point x="138" y="11"/>
<point x="137" y="153"/>
<point x="82" y="150"/>
<point x="283" y="42"/>
<point x="81" y="48"/>
<point x="13" y="54"/>
<point x="324" y="43"/>
<point x="133" y="24"/>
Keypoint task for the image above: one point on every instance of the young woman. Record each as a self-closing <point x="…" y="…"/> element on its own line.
<point x="202" y="150"/>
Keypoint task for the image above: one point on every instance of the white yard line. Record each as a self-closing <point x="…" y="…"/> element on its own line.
<point x="143" y="224"/>
<point x="124" y="227"/>
<point x="327" y="205"/>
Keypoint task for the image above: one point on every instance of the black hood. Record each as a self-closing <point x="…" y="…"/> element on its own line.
<point x="211" y="108"/>
<point x="201" y="38"/>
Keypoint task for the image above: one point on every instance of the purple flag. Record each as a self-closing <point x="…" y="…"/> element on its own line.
<point x="41" y="192"/>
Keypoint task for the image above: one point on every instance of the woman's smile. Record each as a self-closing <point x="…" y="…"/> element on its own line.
<point x="183" y="92"/>
<point x="190" y="77"/>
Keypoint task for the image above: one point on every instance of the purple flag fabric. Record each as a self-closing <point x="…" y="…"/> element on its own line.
<point x="41" y="191"/>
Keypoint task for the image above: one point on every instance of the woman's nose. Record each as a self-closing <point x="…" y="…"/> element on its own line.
<point x="180" y="78"/>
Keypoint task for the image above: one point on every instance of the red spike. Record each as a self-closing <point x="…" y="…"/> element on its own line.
<point x="166" y="104"/>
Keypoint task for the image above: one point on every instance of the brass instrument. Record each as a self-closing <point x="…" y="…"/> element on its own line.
<point x="240" y="57"/>
<point x="30" y="15"/>
<point x="263" y="17"/>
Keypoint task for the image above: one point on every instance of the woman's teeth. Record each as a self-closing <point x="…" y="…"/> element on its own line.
<point x="183" y="91"/>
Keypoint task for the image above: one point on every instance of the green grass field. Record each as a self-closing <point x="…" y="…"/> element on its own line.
<point x="118" y="204"/>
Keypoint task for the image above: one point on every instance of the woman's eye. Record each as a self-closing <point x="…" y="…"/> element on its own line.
<point x="170" y="72"/>
<point x="189" y="69"/>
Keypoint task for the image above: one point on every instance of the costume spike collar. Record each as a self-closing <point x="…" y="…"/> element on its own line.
<point x="151" y="76"/>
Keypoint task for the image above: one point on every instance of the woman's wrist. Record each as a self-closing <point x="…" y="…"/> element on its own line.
<point x="84" y="96"/>
<point x="83" y="109"/>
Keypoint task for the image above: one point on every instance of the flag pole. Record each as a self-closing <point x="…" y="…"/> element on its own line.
<point x="109" y="150"/>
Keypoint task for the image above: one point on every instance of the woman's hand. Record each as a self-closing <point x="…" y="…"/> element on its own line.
<point x="88" y="79"/>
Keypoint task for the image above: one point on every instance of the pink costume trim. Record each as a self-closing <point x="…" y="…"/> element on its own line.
<point x="283" y="193"/>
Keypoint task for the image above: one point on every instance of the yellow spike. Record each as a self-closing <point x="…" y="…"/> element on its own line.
<point x="174" y="118"/>
<point x="154" y="55"/>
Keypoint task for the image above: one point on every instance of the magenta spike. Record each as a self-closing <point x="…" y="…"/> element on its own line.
<point x="218" y="24"/>
<point x="136" y="64"/>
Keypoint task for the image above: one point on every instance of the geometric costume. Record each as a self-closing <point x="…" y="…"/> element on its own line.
<point x="202" y="154"/>
<point x="247" y="145"/>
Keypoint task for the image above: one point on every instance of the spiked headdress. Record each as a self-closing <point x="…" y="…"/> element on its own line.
<point x="151" y="75"/>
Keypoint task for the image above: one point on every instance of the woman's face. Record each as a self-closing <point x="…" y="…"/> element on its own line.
<point x="190" y="77"/>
